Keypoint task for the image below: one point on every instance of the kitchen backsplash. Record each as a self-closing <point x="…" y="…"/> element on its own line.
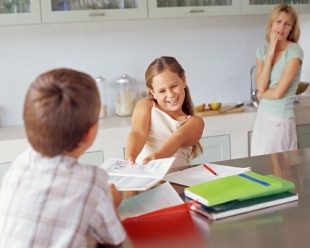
<point x="217" y="54"/>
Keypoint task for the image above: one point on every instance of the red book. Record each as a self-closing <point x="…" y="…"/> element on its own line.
<point x="168" y="227"/>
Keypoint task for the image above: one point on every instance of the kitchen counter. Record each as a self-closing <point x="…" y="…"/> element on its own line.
<point x="285" y="226"/>
<point x="238" y="125"/>
<point x="113" y="132"/>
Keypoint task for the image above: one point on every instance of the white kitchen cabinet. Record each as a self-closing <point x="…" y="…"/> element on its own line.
<point x="63" y="11"/>
<point x="250" y="7"/>
<point x="92" y="158"/>
<point x="216" y="148"/>
<point x="57" y="11"/>
<point x="192" y="8"/>
<point x="198" y="8"/>
<point x="303" y="135"/>
<point x="19" y="12"/>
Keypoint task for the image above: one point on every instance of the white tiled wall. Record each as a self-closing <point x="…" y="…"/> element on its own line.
<point x="216" y="53"/>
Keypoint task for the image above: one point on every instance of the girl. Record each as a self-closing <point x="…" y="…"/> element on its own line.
<point x="277" y="78"/>
<point x="163" y="124"/>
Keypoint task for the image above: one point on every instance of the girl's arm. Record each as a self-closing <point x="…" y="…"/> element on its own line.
<point x="140" y="123"/>
<point x="286" y="79"/>
<point x="187" y="135"/>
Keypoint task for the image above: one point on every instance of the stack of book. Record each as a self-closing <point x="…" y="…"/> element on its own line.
<point x="237" y="194"/>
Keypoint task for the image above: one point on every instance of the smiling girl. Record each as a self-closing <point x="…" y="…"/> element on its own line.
<point x="163" y="124"/>
<point x="277" y="77"/>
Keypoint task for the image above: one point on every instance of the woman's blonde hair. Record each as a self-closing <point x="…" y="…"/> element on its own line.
<point x="171" y="64"/>
<point x="291" y="12"/>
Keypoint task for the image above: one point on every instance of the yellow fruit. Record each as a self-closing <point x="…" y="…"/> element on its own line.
<point x="215" y="105"/>
<point x="200" y="107"/>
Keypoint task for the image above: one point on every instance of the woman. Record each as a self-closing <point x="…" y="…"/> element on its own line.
<point x="277" y="78"/>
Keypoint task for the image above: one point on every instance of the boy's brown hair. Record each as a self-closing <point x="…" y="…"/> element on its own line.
<point x="59" y="108"/>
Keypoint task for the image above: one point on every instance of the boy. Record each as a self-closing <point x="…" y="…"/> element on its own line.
<point x="47" y="198"/>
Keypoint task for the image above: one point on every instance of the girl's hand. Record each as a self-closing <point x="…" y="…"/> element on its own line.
<point x="131" y="160"/>
<point x="149" y="158"/>
<point x="117" y="195"/>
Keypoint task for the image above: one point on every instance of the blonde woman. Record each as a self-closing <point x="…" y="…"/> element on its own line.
<point x="277" y="76"/>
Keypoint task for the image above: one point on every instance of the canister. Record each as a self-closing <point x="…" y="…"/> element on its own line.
<point x="102" y="87"/>
<point x="126" y="95"/>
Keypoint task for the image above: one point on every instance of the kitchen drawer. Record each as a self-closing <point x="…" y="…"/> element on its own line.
<point x="216" y="148"/>
<point x="92" y="158"/>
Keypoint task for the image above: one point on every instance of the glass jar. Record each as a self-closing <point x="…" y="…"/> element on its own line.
<point x="126" y="95"/>
<point x="102" y="87"/>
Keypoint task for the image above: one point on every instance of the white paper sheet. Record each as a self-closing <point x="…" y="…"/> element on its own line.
<point x="162" y="196"/>
<point x="153" y="169"/>
<point x="199" y="174"/>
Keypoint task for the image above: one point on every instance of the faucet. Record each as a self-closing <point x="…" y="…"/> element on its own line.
<point x="254" y="99"/>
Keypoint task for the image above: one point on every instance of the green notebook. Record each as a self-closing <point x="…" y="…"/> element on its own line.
<point x="286" y="186"/>
<point x="242" y="186"/>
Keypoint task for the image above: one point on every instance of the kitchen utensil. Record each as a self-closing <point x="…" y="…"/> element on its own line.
<point x="254" y="98"/>
<point x="231" y="107"/>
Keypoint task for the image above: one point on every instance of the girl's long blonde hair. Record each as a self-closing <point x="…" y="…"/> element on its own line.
<point x="171" y="64"/>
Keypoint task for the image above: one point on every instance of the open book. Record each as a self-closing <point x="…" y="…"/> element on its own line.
<point x="199" y="174"/>
<point x="136" y="177"/>
<point x="160" y="197"/>
<point x="159" y="217"/>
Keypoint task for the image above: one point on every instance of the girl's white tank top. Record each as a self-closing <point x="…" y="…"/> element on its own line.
<point x="161" y="128"/>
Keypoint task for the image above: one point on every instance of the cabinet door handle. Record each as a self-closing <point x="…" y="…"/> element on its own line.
<point x="196" y="11"/>
<point x="96" y="14"/>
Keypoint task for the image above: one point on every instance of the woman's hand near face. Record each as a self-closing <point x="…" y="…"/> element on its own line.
<point x="274" y="37"/>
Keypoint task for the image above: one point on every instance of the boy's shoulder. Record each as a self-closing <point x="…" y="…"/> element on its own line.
<point x="32" y="158"/>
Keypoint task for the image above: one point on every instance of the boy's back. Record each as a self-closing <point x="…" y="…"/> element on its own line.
<point x="47" y="199"/>
<point x="54" y="202"/>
